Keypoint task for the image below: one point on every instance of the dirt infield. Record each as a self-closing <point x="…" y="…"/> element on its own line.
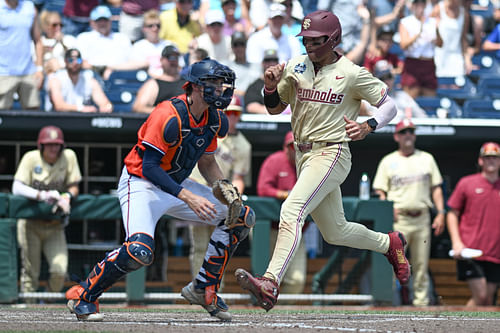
<point x="290" y="319"/>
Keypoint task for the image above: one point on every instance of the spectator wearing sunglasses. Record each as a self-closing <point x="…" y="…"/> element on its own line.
<point x="75" y="89"/>
<point x="55" y="43"/>
<point x="146" y="53"/>
<point x="407" y="107"/>
<point x="167" y="85"/>
<point x="132" y="17"/>
<point x="411" y="179"/>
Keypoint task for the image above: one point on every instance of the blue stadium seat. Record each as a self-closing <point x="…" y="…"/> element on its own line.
<point x="482" y="8"/>
<point x="131" y="80"/>
<point x="488" y="65"/>
<point x="459" y="88"/>
<point x="439" y="107"/>
<point x="489" y="86"/>
<point x="482" y="109"/>
<point x="122" y="99"/>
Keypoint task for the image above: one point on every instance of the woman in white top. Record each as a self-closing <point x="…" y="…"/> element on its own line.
<point x="450" y="54"/>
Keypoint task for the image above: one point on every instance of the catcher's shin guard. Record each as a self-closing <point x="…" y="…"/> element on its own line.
<point x="221" y="249"/>
<point x="136" y="252"/>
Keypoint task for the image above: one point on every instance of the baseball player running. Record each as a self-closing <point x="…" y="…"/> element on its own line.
<point x="178" y="134"/>
<point x="324" y="90"/>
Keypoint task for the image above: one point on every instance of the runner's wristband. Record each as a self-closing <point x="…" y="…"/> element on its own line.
<point x="271" y="99"/>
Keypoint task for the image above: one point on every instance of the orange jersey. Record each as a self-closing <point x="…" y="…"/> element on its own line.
<point x="169" y="130"/>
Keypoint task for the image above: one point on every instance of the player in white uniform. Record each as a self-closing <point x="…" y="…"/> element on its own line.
<point x="324" y="90"/>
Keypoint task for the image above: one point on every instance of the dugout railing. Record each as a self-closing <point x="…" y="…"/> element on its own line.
<point x="375" y="213"/>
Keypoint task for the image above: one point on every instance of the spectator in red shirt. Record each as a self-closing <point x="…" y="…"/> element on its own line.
<point x="277" y="176"/>
<point x="473" y="222"/>
<point x="379" y="50"/>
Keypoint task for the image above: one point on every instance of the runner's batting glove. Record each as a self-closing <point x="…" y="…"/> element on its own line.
<point x="228" y="194"/>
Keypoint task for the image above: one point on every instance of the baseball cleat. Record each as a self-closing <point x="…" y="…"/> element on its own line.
<point x="265" y="290"/>
<point x="217" y="307"/>
<point x="397" y="258"/>
<point x="84" y="311"/>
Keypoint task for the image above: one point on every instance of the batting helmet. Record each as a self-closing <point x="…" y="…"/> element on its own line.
<point x="50" y="134"/>
<point x="208" y="69"/>
<point x="322" y="23"/>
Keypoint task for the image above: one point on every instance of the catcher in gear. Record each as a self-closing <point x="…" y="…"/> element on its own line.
<point x="177" y="135"/>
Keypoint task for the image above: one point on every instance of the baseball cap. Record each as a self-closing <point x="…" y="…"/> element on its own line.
<point x="271" y="54"/>
<point x="214" y="16"/>
<point x="404" y="124"/>
<point x="170" y="50"/>
<point x="490" y="149"/>
<point x="277" y="9"/>
<point x="100" y="12"/>
<point x="288" y="138"/>
<point x="238" y="36"/>
<point x="382" y="69"/>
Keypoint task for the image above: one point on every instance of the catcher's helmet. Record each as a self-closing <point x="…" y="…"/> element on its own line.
<point x="322" y="23"/>
<point x="208" y="69"/>
<point x="50" y="134"/>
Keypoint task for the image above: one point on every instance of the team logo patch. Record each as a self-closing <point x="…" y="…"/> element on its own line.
<point x="200" y="142"/>
<point x="38" y="169"/>
<point x="300" y="68"/>
<point x="306" y="24"/>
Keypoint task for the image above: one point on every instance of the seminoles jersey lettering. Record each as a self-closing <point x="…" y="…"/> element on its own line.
<point x="320" y="100"/>
<point x="188" y="144"/>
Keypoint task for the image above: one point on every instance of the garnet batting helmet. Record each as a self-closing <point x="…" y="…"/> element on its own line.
<point x="322" y="23"/>
<point x="50" y="134"/>
<point x="208" y="69"/>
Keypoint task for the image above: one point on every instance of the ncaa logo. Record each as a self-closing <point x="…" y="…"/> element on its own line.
<point x="300" y="68"/>
<point x="306" y="24"/>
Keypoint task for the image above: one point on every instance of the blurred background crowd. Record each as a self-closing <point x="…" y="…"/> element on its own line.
<point x="439" y="58"/>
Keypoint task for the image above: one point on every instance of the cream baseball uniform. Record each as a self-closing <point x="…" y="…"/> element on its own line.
<point x="408" y="181"/>
<point x="319" y="102"/>
<point x="234" y="156"/>
<point x="42" y="236"/>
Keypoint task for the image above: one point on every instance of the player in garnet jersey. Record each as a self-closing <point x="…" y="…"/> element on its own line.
<point x="177" y="135"/>
<point x="324" y="90"/>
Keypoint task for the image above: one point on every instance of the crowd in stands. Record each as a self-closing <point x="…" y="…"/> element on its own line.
<point x="441" y="55"/>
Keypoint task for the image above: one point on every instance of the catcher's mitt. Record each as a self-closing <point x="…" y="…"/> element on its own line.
<point x="226" y="193"/>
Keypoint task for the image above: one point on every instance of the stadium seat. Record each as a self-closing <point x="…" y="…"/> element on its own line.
<point x="482" y="8"/>
<point x="131" y="80"/>
<point x="490" y="86"/>
<point x="439" y="107"/>
<point x="459" y="88"/>
<point x="122" y="99"/>
<point x="482" y="109"/>
<point x="487" y="63"/>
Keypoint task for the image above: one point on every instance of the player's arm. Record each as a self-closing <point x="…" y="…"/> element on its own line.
<point x="272" y="100"/>
<point x="452" y="221"/>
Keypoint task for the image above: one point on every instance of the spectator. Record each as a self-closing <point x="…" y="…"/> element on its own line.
<point x="76" y="16"/>
<point x="18" y="74"/>
<point x="271" y="37"/>
<point x="213" y="40"/>
<point x="254" y="99"/>
<point x="388" y="12"/>
<point x="411" y="179"/>
<point x="49" y="174"/>
<point x="475" y="32"/>
<point x="245" y="72"/>
<point x="492" y="42"/>
<point x="380" y="50"/>
<point x="132" y="17"/>
<point x="177" y="26"/>
<point x="55" y="43"/>
<point x="417" y="34"/>
<point x="473" y="223"/>
<point x="102" y="47"/>
<point x="450" y="55"/>
<point x="234" y="157"/>
<point x="406" y="105"/>
<point x="146" y="53"/>
<point x="169" y="84"/>
<point x="74" y="89"/>
<point x="277" y="176"/>
<point x="233" y="23"/>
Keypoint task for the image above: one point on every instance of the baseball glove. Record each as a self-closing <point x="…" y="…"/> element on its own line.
<point x="226" y="193"/>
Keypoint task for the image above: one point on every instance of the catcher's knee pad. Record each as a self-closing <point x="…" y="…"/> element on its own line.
<point x="246" y="221"/>
<point x="136" y="252"/>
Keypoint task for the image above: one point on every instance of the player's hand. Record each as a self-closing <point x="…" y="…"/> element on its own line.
<point x="63" y="205"/>
<point x="457" y="249"/>
<point x="50" y="197"/>
<point x="438" y="224"/>
<point x="272" y="76"/>
<point x="202" y="207"/>
<point x="356" y="131"/>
